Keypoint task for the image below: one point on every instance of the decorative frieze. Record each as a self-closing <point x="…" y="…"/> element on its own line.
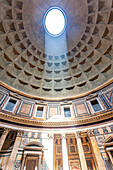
<point x="25" y="134"/>
<point x="39" y="135"/>
<point x="87" y="120"/>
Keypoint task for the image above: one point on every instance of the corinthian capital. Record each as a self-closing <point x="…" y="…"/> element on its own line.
<point x="78" y="135"/>
<point x="63" y="135"/>
<point x="6" y="130"/>
<point x="50" y="135"/>
<point x="90" y="132"/>
<point x="19" y="133"/>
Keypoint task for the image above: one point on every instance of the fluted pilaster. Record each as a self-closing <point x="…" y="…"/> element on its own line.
<point x="81" y="152"/>
<point x="64" y="153"/>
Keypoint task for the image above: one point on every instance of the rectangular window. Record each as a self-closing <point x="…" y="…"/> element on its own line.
<point x="96" y="105"/>
<point x="67" y="112"/>
<point x="11" y="104"/>
<point x="39" y="111"/>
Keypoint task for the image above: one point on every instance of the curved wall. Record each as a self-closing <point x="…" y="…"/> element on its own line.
<point x="90" y="109"/>
<point x="87" y="125"/>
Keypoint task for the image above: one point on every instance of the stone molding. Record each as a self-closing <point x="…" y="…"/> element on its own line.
<point x="20" y="120"/>
<point x="15" y="95"/>
<point x="41" y="102"/>
<point x="90" y="96"/>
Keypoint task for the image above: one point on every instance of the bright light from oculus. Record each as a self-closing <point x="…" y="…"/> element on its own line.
<point x="55" y="21"/>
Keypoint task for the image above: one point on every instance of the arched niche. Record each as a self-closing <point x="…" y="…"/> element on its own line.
<point x="32" y="156"/>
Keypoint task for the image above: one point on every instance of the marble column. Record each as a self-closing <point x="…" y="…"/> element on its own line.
<point x="81" y="152"/>
<point x="14" y="152"/>
<point x="50" y="151"/>
<point x="3" y="137"/>
<point x="64" y="153"/>
<point x="97" y="155"/>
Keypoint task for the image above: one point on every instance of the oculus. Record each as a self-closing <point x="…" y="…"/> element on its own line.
<point x="55" y="21"/>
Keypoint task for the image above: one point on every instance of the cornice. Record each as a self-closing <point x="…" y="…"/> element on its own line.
<point x="89" y="120"/>
<point x="56" y="99"/>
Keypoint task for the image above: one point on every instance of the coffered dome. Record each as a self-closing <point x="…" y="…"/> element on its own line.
<point x="86" y="62"/>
